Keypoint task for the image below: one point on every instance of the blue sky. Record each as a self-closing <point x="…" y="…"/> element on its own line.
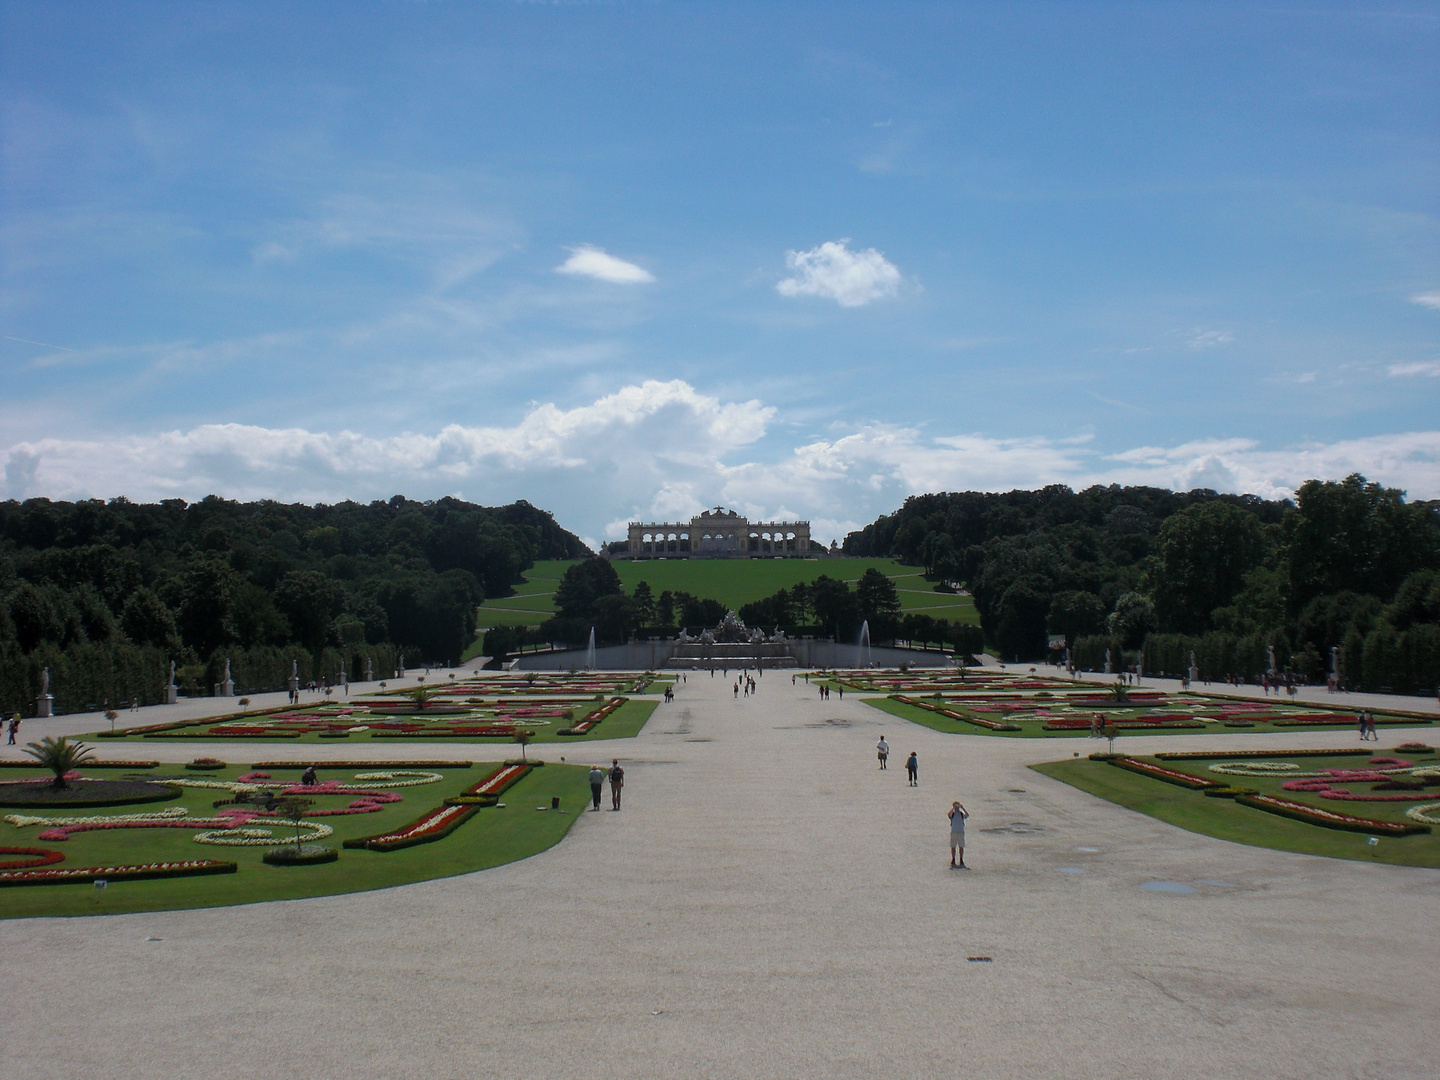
<point x="625" y="260"/>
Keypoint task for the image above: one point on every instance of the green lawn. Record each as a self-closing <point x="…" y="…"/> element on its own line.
<point x="734" y="582"/>
<point x="1227" y="820"/>
<point x="493" y="836"/>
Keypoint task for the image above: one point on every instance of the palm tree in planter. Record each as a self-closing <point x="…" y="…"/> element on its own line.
<point x="60" y="756"/>
<point x="523" y="737"/>
<point x="1119" y="692"/>
<point x="421" y="694"/>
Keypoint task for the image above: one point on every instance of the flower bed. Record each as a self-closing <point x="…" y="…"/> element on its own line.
<point x="83" y="793"/>
<point x="302" y="765"/>
<point x="1199" y="755"/>
<point x="135" y="872"/>
<point x="1159" y="772"/>
<point x="992" y="725"/>
<point x="447" y="817"/>
<point x="28" y="763"/>
<point x="435" y="825"/>
<point x="34" y="857"/>
<point x="1330" y="819"/>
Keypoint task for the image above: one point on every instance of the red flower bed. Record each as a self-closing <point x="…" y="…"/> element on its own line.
<point x="443" y="819"/>
<point x="134" y="872"/>
<point x="1330" y="819"/>
<point x="34" y="856"/>
<point x="1159" y="772"/>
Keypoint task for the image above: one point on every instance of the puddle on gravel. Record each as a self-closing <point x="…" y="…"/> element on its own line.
<point x="1070" y="869"/>
<point x="699" y="740"/>
<point x="1179" y="888"/>
<point x="833" y="722"/>
<point x="1089" y="850"/>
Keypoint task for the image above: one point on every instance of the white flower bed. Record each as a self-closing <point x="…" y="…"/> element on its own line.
<point x="247" y="837"/>
<point x="21" y="820"/>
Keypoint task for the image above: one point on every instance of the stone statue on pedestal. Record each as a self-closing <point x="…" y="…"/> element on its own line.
<point x="172" y="692"/>
<point x="1194" y="671"/>
<point x="1108" y="669"/>
<point x="44" y="703"/>
<point x="226" y="686"/>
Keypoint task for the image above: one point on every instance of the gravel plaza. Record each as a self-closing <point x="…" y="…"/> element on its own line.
<point x="769" y="904"/>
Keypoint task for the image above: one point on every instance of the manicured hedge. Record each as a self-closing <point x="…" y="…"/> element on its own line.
<point x="307" y="855"/>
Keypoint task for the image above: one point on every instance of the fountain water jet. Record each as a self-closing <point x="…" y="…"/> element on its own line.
<point x="590" y="652"/>
<point x="865" y="644"/>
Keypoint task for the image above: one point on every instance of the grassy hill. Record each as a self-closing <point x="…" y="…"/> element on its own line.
<point x="734" y="582"/>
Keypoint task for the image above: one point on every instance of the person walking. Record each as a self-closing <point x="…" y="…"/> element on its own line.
<point x="617" y="783"/>
<point x="597" y="781"/>
<point x="14" y="729"/>
<point x="912" y="766"/>
<point x="1360" y="720"/>
<point x="957" y="816"/>
<point x="882" y="750"/>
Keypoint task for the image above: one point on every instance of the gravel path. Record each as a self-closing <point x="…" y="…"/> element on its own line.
<point x="769" y="904"/>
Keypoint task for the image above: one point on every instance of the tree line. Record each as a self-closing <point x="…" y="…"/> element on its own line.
<point x="1152" y="574"/>
<point x="590" y="595"/>
<point x="108" y="593"/>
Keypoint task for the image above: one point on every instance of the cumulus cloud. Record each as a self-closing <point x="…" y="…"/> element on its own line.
<point x="832" y="270"/>
<point x="663" y="450"/>
<point x="1429" y="368"/>
<point x="1427" y="299"/>
<point x="594" y="262"/>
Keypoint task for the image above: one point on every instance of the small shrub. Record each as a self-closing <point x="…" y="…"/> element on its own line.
<point x="304" y="855"/>
<point x="1228" y="792"/>
<point x="205" y="764"/>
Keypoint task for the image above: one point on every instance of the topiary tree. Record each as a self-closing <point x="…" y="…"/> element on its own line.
<point x="523" y="737"/>
<point x="292" y="808"/>
<point x="60" y="756"/>
<point x="1111" y="731"/>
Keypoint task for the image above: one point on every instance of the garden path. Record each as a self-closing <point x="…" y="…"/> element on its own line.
<point x="769" y="904"/>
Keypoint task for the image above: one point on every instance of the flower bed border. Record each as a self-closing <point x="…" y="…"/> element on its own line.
<point x="133" y="872"/>
<point x="38" y="856"/>
<point x="30" y="763"/>
<point x="1201" y="755"/>
<point x="1328" y="819"/>
<point x="951" y="714"/>
<point x="1159" y="772"/>
<point x="441" y="821"/>
<point x="301" y="766"/>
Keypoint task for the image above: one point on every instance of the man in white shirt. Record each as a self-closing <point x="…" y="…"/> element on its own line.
<point x="882" y="748"/>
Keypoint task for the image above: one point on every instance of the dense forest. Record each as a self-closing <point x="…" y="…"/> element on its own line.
<point x="1153" y="575"/>
<point x="106" y="594"/>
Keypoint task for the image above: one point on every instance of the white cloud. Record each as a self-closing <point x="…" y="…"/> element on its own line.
<point x="832" y="270"/>
<point x="1210" y="339"/>
<point x="663" y="450"/>
<point x="1423" y="367"/>
<point x="1427" y="299"/>
<point x="594" y="262"/>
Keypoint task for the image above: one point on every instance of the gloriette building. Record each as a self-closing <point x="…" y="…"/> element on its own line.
<point x="718" y="534"/>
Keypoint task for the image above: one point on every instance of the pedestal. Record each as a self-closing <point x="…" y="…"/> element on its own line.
<point x="172" y="694"/>
<point x="44" y="705"/>
<point x="295" y="687"/>
<point x="225" y="689"/>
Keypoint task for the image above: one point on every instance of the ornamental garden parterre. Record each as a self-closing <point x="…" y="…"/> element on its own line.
<point x="1358" y="804"/>
<point x="381" y="823"/>
<point x="550" y="708"/>
<point x="1000" y="703"/>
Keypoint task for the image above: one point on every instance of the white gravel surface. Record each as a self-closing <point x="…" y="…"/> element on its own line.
<point x="769" y="904"/>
